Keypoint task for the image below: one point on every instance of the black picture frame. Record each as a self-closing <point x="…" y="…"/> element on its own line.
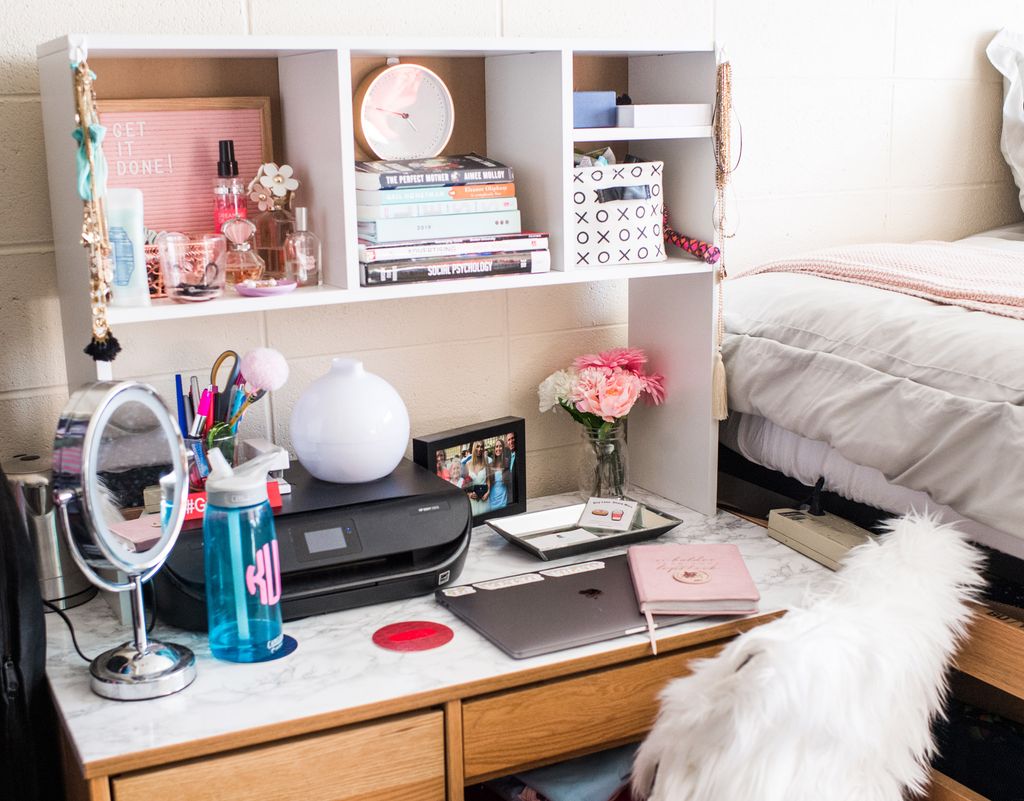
<point x="426" y="448"/>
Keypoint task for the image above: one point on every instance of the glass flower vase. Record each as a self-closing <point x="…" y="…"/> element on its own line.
<point x="604" y="461"/>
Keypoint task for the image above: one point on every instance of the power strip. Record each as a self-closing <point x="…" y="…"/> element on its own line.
<point x="824" y="538"/>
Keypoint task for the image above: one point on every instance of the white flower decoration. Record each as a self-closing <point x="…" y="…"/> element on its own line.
<point x="278" y="179"/>
<point x="554" y="389"/>
<point x="262" y="198"/>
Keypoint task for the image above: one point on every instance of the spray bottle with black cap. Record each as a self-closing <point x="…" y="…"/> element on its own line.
<point x="228" y="189"/>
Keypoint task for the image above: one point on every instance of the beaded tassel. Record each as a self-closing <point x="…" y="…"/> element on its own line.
<point x="722" y="125"/>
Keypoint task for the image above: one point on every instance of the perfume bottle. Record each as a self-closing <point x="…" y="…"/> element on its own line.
<point x="240" y="262"/>
<point x="302" y="252"/>
<point x="272" y="228"/>
<point x="228" y="189"/>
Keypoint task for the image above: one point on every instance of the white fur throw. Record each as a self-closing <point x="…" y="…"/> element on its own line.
<point x="834" y="701"/>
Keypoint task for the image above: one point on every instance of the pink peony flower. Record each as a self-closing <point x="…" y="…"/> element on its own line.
<point x="630" y="359"/>
<point x="609" y="394"/>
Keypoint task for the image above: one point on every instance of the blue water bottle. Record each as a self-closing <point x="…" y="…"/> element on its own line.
<point x="243" y="569"/>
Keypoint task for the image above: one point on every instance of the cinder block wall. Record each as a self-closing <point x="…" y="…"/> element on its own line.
<point x="863" y="121"/>
<point x="875" y="120"/>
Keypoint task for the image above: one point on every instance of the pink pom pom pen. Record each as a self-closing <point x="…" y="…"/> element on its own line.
<point x="264" y="370"/>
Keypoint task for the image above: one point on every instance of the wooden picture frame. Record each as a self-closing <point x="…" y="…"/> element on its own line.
<point x="425" y="452"/>
<point x="168" y="148"/>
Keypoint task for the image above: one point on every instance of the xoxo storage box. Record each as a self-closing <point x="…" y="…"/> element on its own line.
<point x="617" y="214"/>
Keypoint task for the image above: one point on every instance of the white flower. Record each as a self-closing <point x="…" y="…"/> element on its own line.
<point x="278" y="179"/>
<point x="554" y="389"/>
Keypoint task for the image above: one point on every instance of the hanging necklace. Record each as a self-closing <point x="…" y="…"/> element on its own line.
<point x="724" y="168"/>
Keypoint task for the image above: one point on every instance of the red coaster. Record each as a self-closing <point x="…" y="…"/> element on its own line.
<point x="413" y="635"/>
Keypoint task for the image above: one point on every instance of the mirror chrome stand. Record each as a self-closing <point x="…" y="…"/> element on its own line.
<point x="111" y="440"/>
<point x="136" y="671"/>
<point x="141" y="669"/>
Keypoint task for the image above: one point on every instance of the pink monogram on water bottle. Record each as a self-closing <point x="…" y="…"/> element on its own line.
<point x="265" y="576"/>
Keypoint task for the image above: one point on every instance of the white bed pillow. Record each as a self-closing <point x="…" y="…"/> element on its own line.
<point x="1009" y="238"/>
<point x="1006" y="52"/>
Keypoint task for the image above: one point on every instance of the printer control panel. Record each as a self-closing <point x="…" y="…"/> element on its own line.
<point x="321" y="538"/>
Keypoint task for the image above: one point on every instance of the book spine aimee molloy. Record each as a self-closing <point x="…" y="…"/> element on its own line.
<point x="395" y="180"/>
<point x="536" y="261"/>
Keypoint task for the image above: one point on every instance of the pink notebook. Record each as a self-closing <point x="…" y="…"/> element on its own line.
<point x="673" y="579"/>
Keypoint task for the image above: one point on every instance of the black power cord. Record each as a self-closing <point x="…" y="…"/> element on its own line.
<point x="71" y="627"/>
<point x="814" y="503"/>
<point x="54" y="608"/>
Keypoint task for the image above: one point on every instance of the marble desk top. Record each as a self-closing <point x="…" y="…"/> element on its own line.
<point x="337" y="666"/>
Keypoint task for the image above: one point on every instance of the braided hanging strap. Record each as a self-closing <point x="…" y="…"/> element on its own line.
<point x="704" y="251"/>
<point x="724" y="167"/>
<point x="92" y="180"/>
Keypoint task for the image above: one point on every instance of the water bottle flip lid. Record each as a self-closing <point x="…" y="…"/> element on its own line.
<point x="245" y="485"/>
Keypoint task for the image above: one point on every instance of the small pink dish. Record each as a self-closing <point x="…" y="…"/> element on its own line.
<point x="264" y="288"/>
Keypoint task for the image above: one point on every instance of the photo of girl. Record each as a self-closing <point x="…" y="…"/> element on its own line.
<point x="501" y="475"/>
<point x="478" y="473"/>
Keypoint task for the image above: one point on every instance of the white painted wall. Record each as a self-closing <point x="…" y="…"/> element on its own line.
<point x="864" y="120"/>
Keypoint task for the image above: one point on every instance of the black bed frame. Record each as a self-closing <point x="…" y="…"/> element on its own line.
<point x="753" y="490"/>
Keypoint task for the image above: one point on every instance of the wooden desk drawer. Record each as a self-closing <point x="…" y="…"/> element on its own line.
<point x="398" y="760"/>
<point x="563" y="718"/>
<point x="944" y="788"/>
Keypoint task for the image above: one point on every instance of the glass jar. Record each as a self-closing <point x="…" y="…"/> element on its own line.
<point x="192" y="267"/>
<point x="604" y="461"/>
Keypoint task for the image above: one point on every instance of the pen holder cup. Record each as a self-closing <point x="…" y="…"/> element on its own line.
<point x="198" y="450"/>
<point x="192" y="267"/>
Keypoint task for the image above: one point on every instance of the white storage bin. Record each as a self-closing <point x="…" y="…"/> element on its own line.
<point x="618" y="227"/>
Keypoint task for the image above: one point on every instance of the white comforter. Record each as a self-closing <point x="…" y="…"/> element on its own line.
<point x="930" y="395"/>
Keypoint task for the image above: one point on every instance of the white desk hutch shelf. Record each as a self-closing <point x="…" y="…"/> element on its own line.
<point x="527" y="123"/>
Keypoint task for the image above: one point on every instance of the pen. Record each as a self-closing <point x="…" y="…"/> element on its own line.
<point x="194" y="393"/>
<point x="199" y="423"/>
<point x="230" y="405"/>
<point x="235" y="410"/>
<point x="189" y="414"/>
<point x="212" y="413"/>
<point x="178" y="396"/>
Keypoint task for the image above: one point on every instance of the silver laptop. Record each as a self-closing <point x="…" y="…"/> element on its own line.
<point x="554" y="608"/>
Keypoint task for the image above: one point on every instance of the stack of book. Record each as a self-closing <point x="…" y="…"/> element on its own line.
<point x="441" y="218"/>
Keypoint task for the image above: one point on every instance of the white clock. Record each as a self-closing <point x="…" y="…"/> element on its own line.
<point x="403" y="111"/>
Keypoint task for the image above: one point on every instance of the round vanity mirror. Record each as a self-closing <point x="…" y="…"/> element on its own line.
<point x="117" y="453"/>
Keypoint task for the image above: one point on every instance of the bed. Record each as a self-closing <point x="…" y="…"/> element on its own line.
<point x="897" y="401"/>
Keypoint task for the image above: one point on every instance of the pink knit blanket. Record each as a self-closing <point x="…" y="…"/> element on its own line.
<point x="975" y="278"/>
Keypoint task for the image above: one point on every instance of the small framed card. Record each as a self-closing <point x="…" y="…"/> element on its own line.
<point x="609" y="514"/>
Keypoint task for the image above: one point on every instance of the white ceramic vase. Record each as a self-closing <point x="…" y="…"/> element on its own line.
<point x="349" y="426"/>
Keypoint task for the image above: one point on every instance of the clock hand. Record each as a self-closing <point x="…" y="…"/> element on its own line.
<point x="410" y="123"/>
<point x="403" y="114"/>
